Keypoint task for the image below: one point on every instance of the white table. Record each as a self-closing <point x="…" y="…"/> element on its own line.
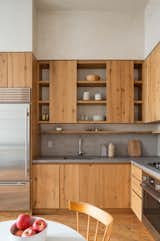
<point x="56" y="232"/>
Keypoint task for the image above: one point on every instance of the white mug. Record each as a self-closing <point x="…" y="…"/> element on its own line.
<point x="86" y="95"/>
<point x="97" y="96"/>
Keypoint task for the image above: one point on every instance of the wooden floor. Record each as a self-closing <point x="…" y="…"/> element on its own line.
<point x="126" y="226"/>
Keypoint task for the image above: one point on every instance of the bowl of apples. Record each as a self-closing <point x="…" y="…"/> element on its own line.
<point x="28" y="228"/>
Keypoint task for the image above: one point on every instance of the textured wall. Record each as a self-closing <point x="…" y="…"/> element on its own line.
<point x="68" y="144"/>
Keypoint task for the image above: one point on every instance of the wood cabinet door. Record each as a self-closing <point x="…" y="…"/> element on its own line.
<point x="103" y="185"/>
<point x="69" y="184"/>
<point x="120" y="92"/>
<point x="19" y="70"/>
<point x="3" y="70"/>
<point x="45" y="186"/>
<point x="63" y="89"/>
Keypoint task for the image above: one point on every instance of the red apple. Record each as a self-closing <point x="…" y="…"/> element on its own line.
<point x="39" y="225"/>
<point x="28" y="232"/>
<point x="18" y="233"/>
<point x="23" y="221"/>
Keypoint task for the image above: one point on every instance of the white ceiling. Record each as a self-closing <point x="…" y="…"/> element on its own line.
<point x="86" y="5"/>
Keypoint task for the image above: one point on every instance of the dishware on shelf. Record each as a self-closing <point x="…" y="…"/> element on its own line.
<point x="98" y="118"/>
<point x="86" y="95"/>
<point x="98" y="96"/>
<point x="59" y="129"/>
<point x="92" y="77"/>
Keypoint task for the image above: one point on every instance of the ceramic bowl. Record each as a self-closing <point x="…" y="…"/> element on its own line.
<point x="92" y="77"/>
<point x="98" y="118"/>
<point x="36" y="237"/>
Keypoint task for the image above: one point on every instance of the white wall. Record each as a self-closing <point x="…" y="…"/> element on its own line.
<point x="15" y="25"/>
<point x="152" y="25"/>
<point x="90" y="35"/>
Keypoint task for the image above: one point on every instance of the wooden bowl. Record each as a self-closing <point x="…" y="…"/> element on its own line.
<point x="92" y="77"/>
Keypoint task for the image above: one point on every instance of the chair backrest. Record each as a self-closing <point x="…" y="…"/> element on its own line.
<point x="98" y="214"/>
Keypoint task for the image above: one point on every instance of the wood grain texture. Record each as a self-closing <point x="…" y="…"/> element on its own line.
<point x="63" y="92"/>
<point x="97" y="184"/>
<point x="97" y="214"/>
<point x="136" y="191"/>
<point x="120" y="92"/>
<point x="35" y="138"/>
<point x="45" y="186"/>
<point x="3" y="70"/>
<point x="152" y="86"/>
<point x="19" y="70"/>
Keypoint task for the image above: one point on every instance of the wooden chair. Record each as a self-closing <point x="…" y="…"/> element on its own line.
<point x="98" y="214"/>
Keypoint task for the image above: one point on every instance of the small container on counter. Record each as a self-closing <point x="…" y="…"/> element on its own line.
<point x="103" y="150"/>
<point x="111" y="150"/>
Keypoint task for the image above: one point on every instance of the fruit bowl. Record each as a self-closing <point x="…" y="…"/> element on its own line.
<point x="39" y="236"/>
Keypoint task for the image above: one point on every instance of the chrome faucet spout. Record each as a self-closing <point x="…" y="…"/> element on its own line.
<point x="80" y="144"/>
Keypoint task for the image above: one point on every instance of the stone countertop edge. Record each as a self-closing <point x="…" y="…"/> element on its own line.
<point x="140" y="162"/>
<point x="147" y="169"/>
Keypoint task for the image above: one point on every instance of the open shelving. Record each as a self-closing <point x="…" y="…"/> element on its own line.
<point x="87" y="108"/>
<point x="43" y="91"/>
<point x="138" y="89"/>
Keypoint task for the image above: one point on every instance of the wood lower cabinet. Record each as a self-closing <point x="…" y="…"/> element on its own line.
<point x="120" y="92"/>
<point x="45" y="193"/>
<point x="104" y="185"/>
<point x="63" y="89"/>
<point x="136" y="191"/>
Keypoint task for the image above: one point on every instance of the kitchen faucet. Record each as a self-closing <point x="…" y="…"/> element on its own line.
<point x="80" y="144"/>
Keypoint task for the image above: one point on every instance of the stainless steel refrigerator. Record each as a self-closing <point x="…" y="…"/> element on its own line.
<point x="14" y="149"/>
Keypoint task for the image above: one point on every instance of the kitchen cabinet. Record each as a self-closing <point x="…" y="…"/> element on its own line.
<point x="152" y="86"/>
<point x="136" y="191"/>
<point x="3" y="70"/>
<point x="104" y="185"/>
<point x="45" y="193"/>
<point x="120" y="92"/>
<point x="16" y="70"/>
<point x="63" y="89"/>
<point x="19" y="70"/>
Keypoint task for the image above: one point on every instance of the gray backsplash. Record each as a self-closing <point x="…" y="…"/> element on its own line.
<point x="68" y="144"/>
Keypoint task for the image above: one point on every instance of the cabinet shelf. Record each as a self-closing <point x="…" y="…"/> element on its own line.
<point x="43" y="122"/>
<point x="138" y="82"/>
<point x="44" y="82"/>
<point x="72" y="132"/>
<point x="138" y="102"/>
<point x="43" y="102"/>
<point x="91" y="102"/>
<point x="86" y="83"/>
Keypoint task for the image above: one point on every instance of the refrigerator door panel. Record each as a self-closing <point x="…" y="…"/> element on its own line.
<point x="14" y="142"/>
<point x="15" y="196"/>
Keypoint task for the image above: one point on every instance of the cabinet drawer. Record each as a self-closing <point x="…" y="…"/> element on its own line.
<point x="136" y="186"/>
<point x="136" y="205"/>
<point x="136" y="172"/>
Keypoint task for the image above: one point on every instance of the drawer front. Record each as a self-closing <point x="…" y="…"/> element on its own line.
<point x="136" y="186"/>
<point x="15" y="197"/>
<point x="136" y="172"/>
<point x="136" y="205"/>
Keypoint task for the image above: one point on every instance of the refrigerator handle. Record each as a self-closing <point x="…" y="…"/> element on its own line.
<point x="12" y="183"/>
<point x="27" y="152"/>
